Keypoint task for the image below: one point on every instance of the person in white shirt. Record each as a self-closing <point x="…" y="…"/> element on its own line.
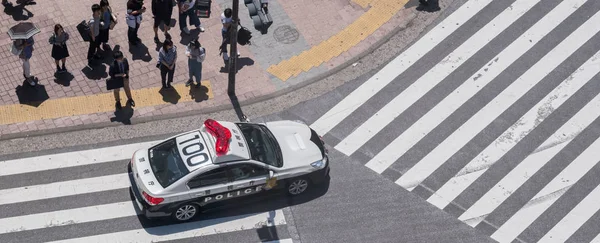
<point x="187" y="9"/>
<point x="196" y="54"/>
<point x="226" y="20"/>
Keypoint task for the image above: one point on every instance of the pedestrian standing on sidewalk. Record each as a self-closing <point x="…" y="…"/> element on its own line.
<point x="162" y="11"/>
<point x="60" y="52"/>
<point x="94" y="33"/>
<point x="135" y="9"/>
<point x="196" y="54"/>
<point x="167" y="56"/>
<point x="26" y="47"/>
<point x="105" y="22"/>
<point x="119" y="72"/>
<point x="187" y="9"/>
<point x="226" y="20"/>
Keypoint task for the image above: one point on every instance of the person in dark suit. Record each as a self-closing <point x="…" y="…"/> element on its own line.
<point x="119" y="73"/>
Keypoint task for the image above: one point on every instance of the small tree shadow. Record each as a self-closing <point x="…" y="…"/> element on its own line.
<point x="63" y="79"/>
<point x="199" y="94"/>
<point x="140" y="52"/>
<point x="95" y="72"/>
<point x="170" y="95"/>
<point x="241" y="62"/>
<point x="18" y="12"/>
<point x="33" y="96"/>
<point x="124" y="115"/>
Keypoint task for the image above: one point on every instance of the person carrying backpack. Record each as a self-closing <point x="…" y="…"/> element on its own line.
<point x="196" y="54"/>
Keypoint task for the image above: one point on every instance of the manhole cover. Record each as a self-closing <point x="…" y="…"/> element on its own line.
<point x="286" y="34"/>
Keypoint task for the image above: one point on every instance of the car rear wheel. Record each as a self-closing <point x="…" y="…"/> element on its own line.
<point x="185" y="212"/>
<point x="297" y="186"/>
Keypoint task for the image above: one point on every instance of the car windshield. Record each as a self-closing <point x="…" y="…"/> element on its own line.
<point x="262" y="144"/>
<point x="166" y="163"/>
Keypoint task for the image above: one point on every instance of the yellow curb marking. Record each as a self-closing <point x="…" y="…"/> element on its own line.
<point x="105" y="102"/>
<point x="363" y="3"/>
<point x="380" y="12"/>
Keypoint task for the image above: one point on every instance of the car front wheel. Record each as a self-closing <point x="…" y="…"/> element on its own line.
<point x="185" y="212"/>
<point x="297" y="186"/>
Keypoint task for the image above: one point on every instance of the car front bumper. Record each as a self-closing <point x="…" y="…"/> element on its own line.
<point x="319" y="176"/>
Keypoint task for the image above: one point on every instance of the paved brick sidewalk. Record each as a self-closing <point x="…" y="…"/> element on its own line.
<point x="307" y="39"/>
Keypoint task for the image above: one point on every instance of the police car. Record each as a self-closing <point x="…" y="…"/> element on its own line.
<point x="223" y="162"/>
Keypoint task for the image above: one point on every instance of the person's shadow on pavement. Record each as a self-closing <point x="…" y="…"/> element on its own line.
<point x="18" y="12"/>
<point x="124" y="115"/>
<point x="170" y="95"/>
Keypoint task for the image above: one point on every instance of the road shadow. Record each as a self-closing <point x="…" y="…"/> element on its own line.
<point x="186" y="39"/>
<point x="18" y="12"/>
<point x="199" y="94"/>
<point x="170" y="95"/>
<point x="140" y="52"/>
<point x="268" y="201"/>
<point x="123" y="116"/>
<point x="64" y="78"/>
<point x="107" y="53"/>
<point x="31" y="95"/>
<point x="241" y="63"/>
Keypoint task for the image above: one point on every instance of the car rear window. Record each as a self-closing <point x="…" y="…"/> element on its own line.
<point x="166" y="163"/>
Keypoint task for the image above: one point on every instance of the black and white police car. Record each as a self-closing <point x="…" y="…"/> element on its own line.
<point x="222" y="161"/>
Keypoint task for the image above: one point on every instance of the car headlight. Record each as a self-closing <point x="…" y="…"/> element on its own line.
<point x="319" y="164"/>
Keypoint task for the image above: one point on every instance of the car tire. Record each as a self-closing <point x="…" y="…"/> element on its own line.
<point x="297" y="186"/>
<point x="185" y="212"/>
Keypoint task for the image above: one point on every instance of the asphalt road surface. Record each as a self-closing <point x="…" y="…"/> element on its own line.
<point x="483" y="129"/>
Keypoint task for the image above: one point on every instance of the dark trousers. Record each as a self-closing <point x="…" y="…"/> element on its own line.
<point x="164" y="71"/>
<point x="93" y="47"/>
<point x="194" y="20"/>
<point x="132" y="33"/>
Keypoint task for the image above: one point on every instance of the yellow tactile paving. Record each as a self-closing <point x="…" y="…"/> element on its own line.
<point x="380" y="12"/>
<point x="81" y="105"/>
<point x="363" y="3"/>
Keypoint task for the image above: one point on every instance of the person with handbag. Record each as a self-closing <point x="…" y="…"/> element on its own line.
<point x="226" y="21"/>
<point x="119" y="78"/>
<point x="187" y="9"/>
<point x="196" y="54"/>
<point x="167" y="56"/>
<point x="60" y="52"/>
<point x="25" y="51"/>
<point x="106" y="24"/>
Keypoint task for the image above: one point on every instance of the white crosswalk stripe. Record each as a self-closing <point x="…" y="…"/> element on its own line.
<point x="498" y="155"/>
<point x="62" y="210"/>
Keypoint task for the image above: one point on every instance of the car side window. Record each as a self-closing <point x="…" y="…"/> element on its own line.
<point x="246" y="171"/>
<point x="213" y="177"/>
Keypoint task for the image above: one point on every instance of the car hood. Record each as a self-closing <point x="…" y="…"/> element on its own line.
<point x="294" y="140"/>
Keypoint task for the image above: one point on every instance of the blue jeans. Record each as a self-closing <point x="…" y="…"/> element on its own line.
<point x="194" y="20"/>
<point x="195" y="68"/>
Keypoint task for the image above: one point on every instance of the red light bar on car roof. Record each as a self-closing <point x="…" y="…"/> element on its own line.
<point x="221" y="133"/>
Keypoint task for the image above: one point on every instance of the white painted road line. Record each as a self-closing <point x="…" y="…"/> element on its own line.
<point x="439" y="72"/>
<point x="575" y="218"/>
<point x="566" y="178"/>
<point x="279" y="241"/>
<point x="519" y="175"/>
<point x="397" y="66"/>
<point x="70" y="159"/>
<point x="68" y="217"/>
<point x="489" y="113"/>
<point x="186" y="230"/>
<point x="64" y="188"/>
<point x="475" y="83"/>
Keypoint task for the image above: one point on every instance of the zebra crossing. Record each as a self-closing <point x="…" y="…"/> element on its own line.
<point x="83" y="196"/>
<point x="501" y="131"/>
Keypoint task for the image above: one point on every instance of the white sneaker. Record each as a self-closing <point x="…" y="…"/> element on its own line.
<point x="200" y="28"/>
<point x="186" y="30"/>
